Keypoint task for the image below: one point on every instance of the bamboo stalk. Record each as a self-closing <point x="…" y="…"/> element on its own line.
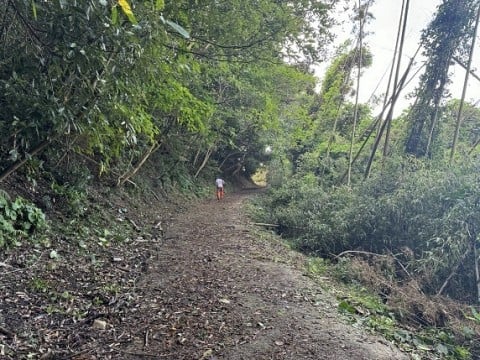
<point x="464" y="90"/>
<point x="477" y="270"/>
<point x="454" y="271"/>
<point x="125" y="177"/>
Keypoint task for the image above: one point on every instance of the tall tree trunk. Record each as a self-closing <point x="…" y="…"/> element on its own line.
<point x="337" y="116"/>
<point x="401" y="35"/>
<point x="394" y="97"/>
<point x="464" y="91"/>
<point x="457" y="60"/>
<point x="359" y="68"/>
<point x="394" y="59"/>
<point x="441" y="40"/>
<point x="432" y="128"/>
<point x="477" y="270"/>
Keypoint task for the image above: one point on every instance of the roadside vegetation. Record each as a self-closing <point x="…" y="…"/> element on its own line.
<point x="390" y="206"/>
<point x="403" y="243"/>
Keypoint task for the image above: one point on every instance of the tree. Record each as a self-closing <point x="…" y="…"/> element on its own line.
<point x="57" y="64"/>
<point x="469" y="134"/>
<point x="118" y="81"/>
<point x="249" y="30"/>
<point x="332" y="114"/>
<point x="446" y="36"/>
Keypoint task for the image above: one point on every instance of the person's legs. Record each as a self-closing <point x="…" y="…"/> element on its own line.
<point x="220" y="193"/>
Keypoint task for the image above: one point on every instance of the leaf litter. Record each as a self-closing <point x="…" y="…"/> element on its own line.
<point x="210" y="286"/>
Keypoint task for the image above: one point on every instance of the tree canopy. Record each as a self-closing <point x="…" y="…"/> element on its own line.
<point x="113" y="80"/>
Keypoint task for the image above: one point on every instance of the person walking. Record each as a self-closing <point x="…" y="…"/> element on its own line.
<point x="220" y="185"/>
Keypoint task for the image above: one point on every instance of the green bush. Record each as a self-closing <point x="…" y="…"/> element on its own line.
<point x="19" y="219"/>
<point x="427" y="217"/>
<point x="71" y="199"/>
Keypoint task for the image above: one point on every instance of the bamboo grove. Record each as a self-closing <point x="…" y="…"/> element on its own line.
<point x="405" y="186"/>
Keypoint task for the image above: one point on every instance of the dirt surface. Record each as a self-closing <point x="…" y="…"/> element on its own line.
<point x="206" y="283"/>
<point x="220" y="288"/>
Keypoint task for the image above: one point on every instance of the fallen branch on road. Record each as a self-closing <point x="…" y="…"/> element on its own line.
<point x="265" y="224"/>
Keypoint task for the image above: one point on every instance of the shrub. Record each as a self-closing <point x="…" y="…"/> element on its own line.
<point x="427" y="217"/>
<point x="19" y="219"/>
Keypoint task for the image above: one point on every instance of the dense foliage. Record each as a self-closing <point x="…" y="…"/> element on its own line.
<point x="92" y="90"/>
<point x="422" y="212"/>
<point x="447" y="37"/>
<point x="115" y="83"/>
<point x="19" y="220"/>
<point x="427" y="217"/>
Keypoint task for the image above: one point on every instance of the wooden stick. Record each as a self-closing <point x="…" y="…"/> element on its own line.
<point x="454" y="271"/>
<point x="6" y="332"/>
<point x="20" y="163"/>
<point x="265" y="224"/>
<point x="358" y="252"/>
<point x="146" y="339"/>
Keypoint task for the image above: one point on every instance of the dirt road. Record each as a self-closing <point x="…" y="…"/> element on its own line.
<point x="221" y="288"/>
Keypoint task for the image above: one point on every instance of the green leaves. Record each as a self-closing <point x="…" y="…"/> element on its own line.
<point x="111" y="78"/>
<point x="159" y="5"/>
<point x="34" y="9"/>
<point x="475" y="315"/>
<point x="427" y="216"/>
<point x="446" y="37"/>
<point x="114" y="17"/>
<point x="19" y="219"/>
<point x="127" y="10"/>
<point x="345" y="306"/>
<point x="177" y="28"/>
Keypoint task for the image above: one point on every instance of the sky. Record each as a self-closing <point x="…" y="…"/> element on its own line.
<point x="381" y="40"/>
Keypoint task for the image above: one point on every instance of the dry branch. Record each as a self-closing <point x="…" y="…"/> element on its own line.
<point x="6" y="332"/>
<point x="205" y="161"/>
<point x="98" y="164"/>
<point x="22" y="162"/>
<point x="125" y="177"/>
<point x="358" y="252"/>
<point x="265" y="224"/>
<point x="454" y="271"/>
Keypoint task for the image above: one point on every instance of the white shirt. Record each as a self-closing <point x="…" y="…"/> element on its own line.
<point x="219" y="183"/>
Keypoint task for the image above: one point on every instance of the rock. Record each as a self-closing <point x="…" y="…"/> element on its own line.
<point x="99" y="324"/>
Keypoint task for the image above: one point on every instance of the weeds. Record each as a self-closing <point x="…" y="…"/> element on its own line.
<point x="363" y="305"/>
<point x="430" y="343"/>
<point x="74" y="199"/>
<point x="19" y="220"/>
<point x="426" y="219"/>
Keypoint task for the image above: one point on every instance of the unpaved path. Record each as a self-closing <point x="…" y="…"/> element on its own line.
<point x="220" y="288"/>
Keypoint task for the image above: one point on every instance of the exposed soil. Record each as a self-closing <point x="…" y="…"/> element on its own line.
<point x="220" y="289"/>
<point x="209" y="285"/>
